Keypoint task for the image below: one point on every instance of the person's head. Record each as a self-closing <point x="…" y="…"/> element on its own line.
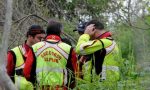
<point x="98" y="28"/>
<point x="54" y="28"/>
<point x="81" y="27"/>
<point x="35" y="34"/>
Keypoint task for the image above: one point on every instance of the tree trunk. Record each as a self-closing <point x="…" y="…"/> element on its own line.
<point x="5" y="81"/>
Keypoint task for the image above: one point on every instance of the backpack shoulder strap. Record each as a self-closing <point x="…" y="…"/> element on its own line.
<point x="99" y="59"/>
<point x="102" y="43"/>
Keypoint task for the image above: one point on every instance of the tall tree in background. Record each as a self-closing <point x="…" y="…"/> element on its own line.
<point x="4" y="78"/>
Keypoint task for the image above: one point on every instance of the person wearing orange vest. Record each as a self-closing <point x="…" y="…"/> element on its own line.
<point x="102" y="60"/>
<point x="16" y="57"/>
<point x="53" y="62"/>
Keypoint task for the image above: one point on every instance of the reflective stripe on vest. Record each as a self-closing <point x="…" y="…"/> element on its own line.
<point x="82" y="46"/>
<point x="65" y="76"/>
<point x="49" y="69"/>
<point x="105" y="68"/>
<point x="111" y="47"/>
<point x="63" y="53"/>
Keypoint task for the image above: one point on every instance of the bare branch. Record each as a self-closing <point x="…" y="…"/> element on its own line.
<point x="21" y="20"/>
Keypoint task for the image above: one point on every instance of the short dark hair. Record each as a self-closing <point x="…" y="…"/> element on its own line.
<point x="54" y="27"/>
<point x="35" y="29"/>
<point x="98" y="25"/>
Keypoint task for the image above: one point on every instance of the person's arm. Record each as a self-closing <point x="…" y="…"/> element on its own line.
<point x="72" y="65"/>
<point x="10" y="67"/>
<point x="28" y="65"/>
<point x="86" y="46"/>
<point x="74" y="61"/>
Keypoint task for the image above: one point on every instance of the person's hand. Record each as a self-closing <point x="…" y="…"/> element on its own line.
<point x="90" y="29"/>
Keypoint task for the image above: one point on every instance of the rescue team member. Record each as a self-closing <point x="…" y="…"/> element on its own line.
<point x="105" y="59"/>
<point x="16" y="57"/>
<point x="52" y="62"/>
